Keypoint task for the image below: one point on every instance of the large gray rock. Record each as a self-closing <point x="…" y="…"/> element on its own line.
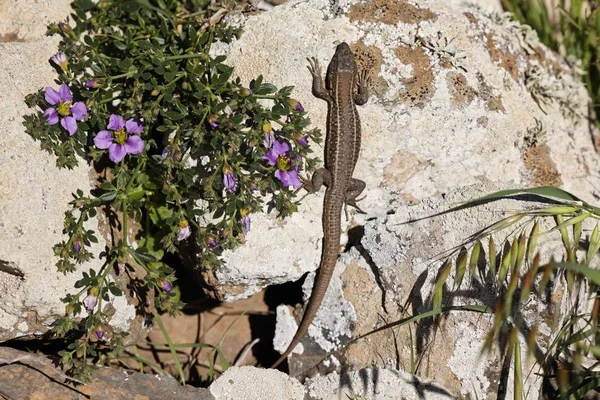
<point x="34" y="194"/>
<point x="250" y="383"/>
<point x="373" y="383"/>
<point x="429" y="128"/>
<point x="26" y="20"/>
<point x="464" y="102"/>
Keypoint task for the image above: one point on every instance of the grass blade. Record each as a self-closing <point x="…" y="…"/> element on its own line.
<point x="532" y="241"/>
<point x="171" y="348"/>
<point x="461" y="266"/>
<point x="439" y="284"/>
<point x="475" y="252"/>
<point x="492" y="255"/>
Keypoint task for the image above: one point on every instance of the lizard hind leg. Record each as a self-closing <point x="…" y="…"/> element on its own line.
<point x="355" y="188"/>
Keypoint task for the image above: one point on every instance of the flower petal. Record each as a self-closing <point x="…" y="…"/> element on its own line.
<point x="116" y="152"/>
<point x="230" y="182"/>
<point x="79" y="111"/>
<point x="246" y="224"/>
<point x="103" y="139"/>
<point x="281" y="147"/>
<point x="51" y="96"/>
<point x="269" y="140"/>
<point x="65" y="93"/>
<point x="288" y="178"/>
<point x="51" y="116"/>
<point x="115" y="122"/>
<point x="271" y="156"/>
<point x="90" y="302"/>
<point x="184" y="233"/>
<point x="69" y="124"/>
<point x="302" y="140"/>
<point x="133" y="127"/>
<point x="134" y="145"/>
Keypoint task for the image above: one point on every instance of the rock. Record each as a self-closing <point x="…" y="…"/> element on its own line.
<point x="27" y="20"/>
<point x="380" y="384"/>
<point x="250" y="383"/>
<point x="34" y="194"/>
<point x="464" y="102"/>
<point x="19" y="369"/>
<point x="452" y="105"/>
<point x="330" y="329"/>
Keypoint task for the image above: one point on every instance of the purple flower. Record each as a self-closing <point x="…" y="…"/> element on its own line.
<point x="122" y="140"/>
<point x="269" y="140"/>
<point x="286" y="172"/>
<point x="302" y="140"/>
<point x="212" y="121"/>
<point x="246" y="224"/>
<point x="90" y="302"/>
<point x="229" y="180"/>
<point x="184" y="231"/>
<point x="211" y="241"/>
<point x="99" y="333"/>
<point x="60" y="59"/>
<point x="172" y="152"/>
<point x="167" y="286"/>
<point x="65" y="28"/>
<point x="66" y="112"/>
<point x="77" y="246"/>
<point x="296" y="105"/>
<point x="244" y="212"/>
<point x="93" y="84"/>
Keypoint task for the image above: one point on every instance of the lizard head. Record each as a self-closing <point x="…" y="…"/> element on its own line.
<point x="343" y="59"/>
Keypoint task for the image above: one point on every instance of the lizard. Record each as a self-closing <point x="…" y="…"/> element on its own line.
<point x="344" y="88"/>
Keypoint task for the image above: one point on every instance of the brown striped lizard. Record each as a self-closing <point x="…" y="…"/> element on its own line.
<point x="344" y="88"/>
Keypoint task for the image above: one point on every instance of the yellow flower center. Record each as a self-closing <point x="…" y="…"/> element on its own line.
<point x="244" y="212"/>
<point x="283" y="163"/>
<point x="183" y="223"/>
<point x="64" y="108"/>
<point x="120" y="136"/>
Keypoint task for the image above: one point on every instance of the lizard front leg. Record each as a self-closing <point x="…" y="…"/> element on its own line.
<point x="318" y="85"/>
<point x="320" y="177"/>
<point x="362" y="88"/>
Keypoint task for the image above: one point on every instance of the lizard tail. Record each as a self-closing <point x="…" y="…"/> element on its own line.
<point x="332" y="211"/>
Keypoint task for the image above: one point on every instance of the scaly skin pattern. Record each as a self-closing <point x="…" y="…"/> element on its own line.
<point x="344" y="90"/>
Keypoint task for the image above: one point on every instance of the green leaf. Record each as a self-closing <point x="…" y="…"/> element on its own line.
<point x="142" y="255"/>
<point x="492" y="256"/>
<point x="518" y="378"/>
<point x="439" y="284"/>
<point x="545" y="191"/>
<point x="532" y="241"/>
<point x="174" y="115"/>
<point x="593" y="275"/>
<point x="84" y="4"/>
<point x="461" y="267"/>
<point x="115" y="290"/>
<point x="169" y="76"/>
<point x="473" y="261"/>
<point x="222" y="360"/>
